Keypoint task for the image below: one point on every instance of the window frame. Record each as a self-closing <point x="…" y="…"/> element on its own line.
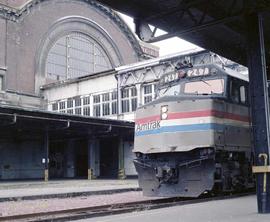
<point x="151" y="95"/>
<point x="129" y="99"/>
<point x="67" y="59"/>
<point x="2" y="82"/>
<point x="238" y="83"/>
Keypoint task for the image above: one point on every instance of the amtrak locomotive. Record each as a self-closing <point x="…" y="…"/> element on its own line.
<point x="195" y="137"/>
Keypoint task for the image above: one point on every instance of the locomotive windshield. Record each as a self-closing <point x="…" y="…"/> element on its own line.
<point x="213" y="86"/>
<point x="192" y="81"/>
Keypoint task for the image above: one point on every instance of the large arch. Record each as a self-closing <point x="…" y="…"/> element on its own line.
<point x="74" y="24"/>
<point x="31" y="32"/>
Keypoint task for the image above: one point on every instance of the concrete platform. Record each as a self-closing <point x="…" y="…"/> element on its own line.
<point x="243" y="209"/>
<point x="30" y="190"/>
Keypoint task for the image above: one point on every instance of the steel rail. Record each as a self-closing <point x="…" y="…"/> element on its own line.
<point x="113" y="209"/>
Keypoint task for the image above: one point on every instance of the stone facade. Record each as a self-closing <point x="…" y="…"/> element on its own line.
<point x="30" y="28"/>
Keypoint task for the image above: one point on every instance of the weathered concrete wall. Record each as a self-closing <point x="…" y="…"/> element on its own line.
<point x="19" y="100"/>
<point x="21" y="160"/>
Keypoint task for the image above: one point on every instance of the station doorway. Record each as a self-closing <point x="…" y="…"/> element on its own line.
<point x="81" y="158"/>
<point x="57" y="160"/>
<point x="109" y="158"/>
<point x="62" y="157"/>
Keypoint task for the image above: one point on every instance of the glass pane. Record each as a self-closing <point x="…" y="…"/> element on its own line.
<point x="96" y="110"/>
<point x="235" y="94"/>
<point x="147" y="99"/>
<point x="96" y="99"/>
<point x="55" y="106"/>
<point x="125" y="106"/>
<point x="86" y="111"/>
<point x="62" y="105"/>
<point x="86" y="100"/>
<point x="78" y="101"/>
<point x="114" y="108"/>
<point x="125" y="93"/>
<point x="133" y="91"/>
<point x="133" y="104"/>
<point x="70" y="111"/>
<point x="114" y="95"/>
<point x="205" y="87"/>
<point x="106" y="109"/>
<point x="74" y="55"/>
<point x="78" y="111"/>
<point x="243" y="94"/>
<point x="69" y="103"/>
<point x="105" y="97"/>
<point x="57" y="60"/>
<point x="170" y="91"/>
<point x="147" y="89"/>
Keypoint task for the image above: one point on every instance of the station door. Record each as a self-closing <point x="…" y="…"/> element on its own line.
<point x="57" y="159"/>
<point x="109" y="158"/>
<point x="81" y="158"/>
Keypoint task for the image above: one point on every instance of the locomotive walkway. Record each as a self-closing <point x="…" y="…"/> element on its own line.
<point x="32" y="190"/>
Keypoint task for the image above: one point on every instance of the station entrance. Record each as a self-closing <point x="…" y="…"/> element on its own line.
<point x="70" y="159"/>
<point x="66" y="156"/>
<point x="109" y="157"/>
<point x="57" y="159"/>
<point x="81" y="158"/>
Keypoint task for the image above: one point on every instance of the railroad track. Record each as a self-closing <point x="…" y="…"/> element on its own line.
<point x="112" y="209"/>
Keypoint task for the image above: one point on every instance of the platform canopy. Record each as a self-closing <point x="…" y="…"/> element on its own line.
<point x="31" y="124"/>
<point x="217" y="25"/>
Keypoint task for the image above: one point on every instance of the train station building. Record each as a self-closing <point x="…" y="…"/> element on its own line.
<point x="44" y="42"/>
<point x="71" y="76"/>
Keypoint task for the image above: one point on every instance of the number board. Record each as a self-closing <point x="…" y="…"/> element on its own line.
<point x="185" y="73"/>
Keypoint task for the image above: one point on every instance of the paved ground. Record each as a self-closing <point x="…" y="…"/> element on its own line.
<point x="242" y="209"/>
<point x="32" y="188"/>
<point x="47" y="205"/>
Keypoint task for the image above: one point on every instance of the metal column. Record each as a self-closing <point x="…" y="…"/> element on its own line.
<point x="91" y="159"/>
<point x="46" y="147"/>
<point x="259" y="109"/>
<point x="121" y="163"/>
<point x="119" y="97"/>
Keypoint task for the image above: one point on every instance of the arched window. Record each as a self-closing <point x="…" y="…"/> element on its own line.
<point x="75" y="55"/>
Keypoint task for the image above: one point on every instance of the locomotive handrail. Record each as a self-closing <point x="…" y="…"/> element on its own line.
<point x="193" y="161"/>
<point x="142" y="164"/>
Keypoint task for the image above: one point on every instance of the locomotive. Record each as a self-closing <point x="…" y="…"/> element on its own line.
<point x="195" y="137"/>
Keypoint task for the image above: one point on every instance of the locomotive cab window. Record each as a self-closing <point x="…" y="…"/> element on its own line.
<point x="238" y="92"/>
<point x="243" y="94"/>
<point x="212" y="86"/>
<point x="170" y="91"/>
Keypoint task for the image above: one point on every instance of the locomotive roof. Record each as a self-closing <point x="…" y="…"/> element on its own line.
<point x="187" y="71"/>
<point x="234" y="73"/>
<point x="226" y="71"/>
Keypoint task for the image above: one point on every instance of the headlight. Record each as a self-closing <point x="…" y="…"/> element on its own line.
<point x="164" y="112"/>
<point x="164" y="109"/>
<point x="164" y="116"/>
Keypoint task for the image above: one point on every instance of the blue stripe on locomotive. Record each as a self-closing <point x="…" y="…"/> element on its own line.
<point x="185" y="128"/>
